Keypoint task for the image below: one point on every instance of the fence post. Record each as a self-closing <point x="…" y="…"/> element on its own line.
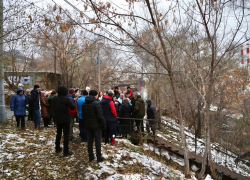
<point x="130" y="126"/>
<point x="226" y="159"/>
<point x="195" y="142"/>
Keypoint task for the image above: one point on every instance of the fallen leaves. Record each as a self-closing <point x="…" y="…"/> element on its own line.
<point x="31" y="154"/>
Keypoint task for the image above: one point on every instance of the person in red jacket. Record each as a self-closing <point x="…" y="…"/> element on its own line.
<point x="109" y="114"/>
<point x="73" y="114"/>
<point x="129" y="91"/>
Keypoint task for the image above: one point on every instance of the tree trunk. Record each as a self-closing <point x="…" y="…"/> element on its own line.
<point x="168" y="67"/>
<point x="182" y="126"/>
<point x="207" y="154"/>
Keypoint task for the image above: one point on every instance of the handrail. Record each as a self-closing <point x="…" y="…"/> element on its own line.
<point x="237" y="155"/>
<point x="246" y="162"/>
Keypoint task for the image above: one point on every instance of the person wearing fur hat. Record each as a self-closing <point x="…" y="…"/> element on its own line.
<point x="82" y="128"/>
<point x="34" y="105"/>
<point x="94" y="122"/>
<point x="60" y="104"/>
<point x="44" y="109"/>
<point x="18" y="105"/>
<point x="109" y="113"/>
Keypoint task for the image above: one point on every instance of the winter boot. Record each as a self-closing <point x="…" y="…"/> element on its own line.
<point x="113" y="139"/>
<point x="100" y="159"/>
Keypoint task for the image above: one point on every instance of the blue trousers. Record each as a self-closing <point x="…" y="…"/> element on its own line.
<point x="83" y="130"/>
<point x="37" y="118"/>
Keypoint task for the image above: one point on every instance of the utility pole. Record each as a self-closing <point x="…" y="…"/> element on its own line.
<point x="2" y="102"/>
<point x="142" y="87"/>
<point x="98" y="60"/>
<point x="99" y="79"/>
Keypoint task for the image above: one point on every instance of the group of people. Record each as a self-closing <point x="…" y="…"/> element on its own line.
<point x="37" y="103"/>
<point x="99" y="114"/>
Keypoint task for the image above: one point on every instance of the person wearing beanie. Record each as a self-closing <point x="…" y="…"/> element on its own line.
<point x="116" y="92"/>
<point x="34" y="106"/>
<point x="18" y="105"/>
<point x="36" y="86"/>
<point x="94" y="122"/>
<point x="93" y="92"/>
<point x="139" y="112"/>
<point x="82" y="128"/>
<point x="44" y="109"/>
<point x="60" y="104"/>
<point x="51" y="110"/>
<point x="129" y="91"/>
<point x="109" y="113"/>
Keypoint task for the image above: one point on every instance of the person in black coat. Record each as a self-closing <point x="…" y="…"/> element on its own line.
<point x="109" y="113"/>
<point x="132" y="99"/>
<point x="150" y="115"/>
<point x="34" y="106"/>
<point x="116" y="92"/>
<point x="94" y="122"/>
<point x="117" y="104"/>
<point x="60" y="104"/>
<point x="125" y="112"/>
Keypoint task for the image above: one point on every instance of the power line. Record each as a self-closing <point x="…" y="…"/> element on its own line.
<point x="122" y="43"/>
<point x="105" y="30"/>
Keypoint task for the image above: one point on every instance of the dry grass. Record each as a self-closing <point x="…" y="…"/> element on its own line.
<point x="31" y="154"/>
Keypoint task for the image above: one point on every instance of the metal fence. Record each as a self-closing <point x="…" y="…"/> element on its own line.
<point x="171" y="125"/>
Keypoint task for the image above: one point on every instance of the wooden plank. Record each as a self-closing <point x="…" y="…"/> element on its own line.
<point x="197" y="158"/>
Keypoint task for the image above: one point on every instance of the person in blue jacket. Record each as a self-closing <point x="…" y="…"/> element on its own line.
<point x="18" y="105"/>
<point x="82" y="127"/>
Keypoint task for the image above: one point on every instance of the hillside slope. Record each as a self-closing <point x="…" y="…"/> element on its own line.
<point x="30" y="154"/>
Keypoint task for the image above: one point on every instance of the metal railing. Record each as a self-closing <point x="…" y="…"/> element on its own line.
<point x="202" y="142"/>
<point x="159" y="121"/>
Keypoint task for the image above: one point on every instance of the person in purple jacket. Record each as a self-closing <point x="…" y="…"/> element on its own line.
<point x="18" y="105"/>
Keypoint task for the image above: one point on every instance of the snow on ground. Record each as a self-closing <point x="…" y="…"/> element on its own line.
<point x="129" y="156"/>
<point x="208" y="177"/>
<point x="217" y="156"/>
<point x="30" y="154"/>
